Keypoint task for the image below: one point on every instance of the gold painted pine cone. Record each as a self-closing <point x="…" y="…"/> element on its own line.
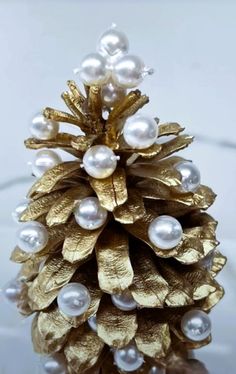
<point x="119" y="256"/>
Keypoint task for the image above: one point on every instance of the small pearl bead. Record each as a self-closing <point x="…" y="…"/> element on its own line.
<point x="113" y="43"/>
<point x="54" y="364"/>
<point x="44" y="161"/>
<point x="128" y="358"/>
<point x="112" y="94"/>
<point x="73" y="299"/>
<point x="42" y="128"/>
<point x="19" y="209"/>
<point x="156" y="370"/>
<point x="92" y="321"/>
<point x="128" y="71"/>
<point x="165" y="232"/>
<point x="190" y="176"/>
<point x="89" y="214"/>
<point x="196" y="325"/>
<point x="140" y="131"/>
<point x="12" y="291"/>
<point x="32" y="236"/>
<point x="94" y="70"/>
<point x="124" y="302"/>
<point x="99" y="161"/>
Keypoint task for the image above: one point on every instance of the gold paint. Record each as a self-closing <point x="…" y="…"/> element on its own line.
<point x="132" y="210"/>
<point x="171" y="128"/>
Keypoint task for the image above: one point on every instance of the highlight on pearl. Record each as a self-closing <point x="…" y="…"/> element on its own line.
<point x="113" y="43"/>
<point x="42" y="128"/>
<point x="54" y="364"/>
<point x="32" y="236"/>
<point x="94" y="70"/>
<point x="196" y="325"/>
<point x="128" y="71"/>
<point x="156" y="370"/>
<point x="73" y="299"/>
<point x="45" y="160"/>
<point x="140" y="131"/>
<point x="128" y="358"/>
<point x="99" y="161"/>
<point x="89" y="214"/>
<point x="19" y="210"/>
<point x="111" y="94"/>
<point x="11" y="291"/>
<point x="92" y="321"/>
<point x="190" y="176"/>
<point x="165" y="232"/>
<point x="124" y="301"/>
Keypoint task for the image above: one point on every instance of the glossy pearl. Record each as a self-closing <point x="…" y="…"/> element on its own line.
<point x="32" y="236"/>
<point x="111" y="95"/>
<point x="93" y="70"/>
<point x="73" y="299"/>
<point x="128" y="71"/>
<point x="113" y="43"/>
<point x="156" y="370"/>
<point x="196" y="325"/>
<point x="12" y="291"/>
<point x="165" y="232"/>
<point x="128" y="358"/>
<point x="99" y="161"/>
<point x="124" y="301"/>
<point x="45" y="160"/>
<point x="140" y="131"/>
<point x="92" y="321"/>
<point x="42" y="128"/>
<point x="54" y="364"/>
<point x="19" y="209"/>
<point x="89" y="214"/>
<point x="190" y="176"/>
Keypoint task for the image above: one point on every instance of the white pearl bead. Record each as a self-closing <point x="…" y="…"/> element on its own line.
<point x="42" y="128"/>
<point x="196" y="325"/>
<point x="165" y="232"/>
<point x="190" y="176"/>
<point x="92" y="321"/>
<point x="112" y="94"/>
<point x="12" y="291"/>
<point x="89" y="214"/>
<point x="73" y="299"/>
<point x="54" y="364"/>
<point x="140" y="131"/>
<point x="128" y="71"/>
<point x="99" y="161"/>
<point x="32" y="236"/>
<point x="113" y="43"/>
<point x="128" y="358"/>
<point x="93" y="70"/>
<point x="45" y="160"/>
<point x="156" y="370"/>
<point x="124" y="301"/>
<point x="19" y="209"/>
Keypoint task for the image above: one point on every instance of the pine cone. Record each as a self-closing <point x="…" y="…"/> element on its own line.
<point x="117" y="258"/>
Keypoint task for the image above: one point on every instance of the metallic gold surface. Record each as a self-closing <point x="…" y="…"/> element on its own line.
<point x="132" y="210"/>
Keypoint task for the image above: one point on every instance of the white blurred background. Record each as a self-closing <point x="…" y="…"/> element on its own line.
<point x="191" y="46"/>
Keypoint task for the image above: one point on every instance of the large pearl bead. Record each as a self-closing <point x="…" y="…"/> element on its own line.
<point x="54" y="364"/>
<point x="92" y="321"/>
<point x="89" y="214"/>
<point x="196" y="325"/>
<point x="42" y="128"/>
<point x="124" y="301"/>
<point x="128" y="71"/>
<point x="32" y="236"/>
<point x="190" y="176"/>
<point x="113" y="43"/>
<point x="19" y="210"/>
<point x="111" y="95"/>
<point x="45" y="160"/>
<point x="12" y="291"/>
<point x="140" y="131"/>
<point x="165" y="232"/>
<point x="93" y="70"/>
<point x="73" y="299"/>
<point x="99" y="161"/>
<point x="128" y="358"/>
